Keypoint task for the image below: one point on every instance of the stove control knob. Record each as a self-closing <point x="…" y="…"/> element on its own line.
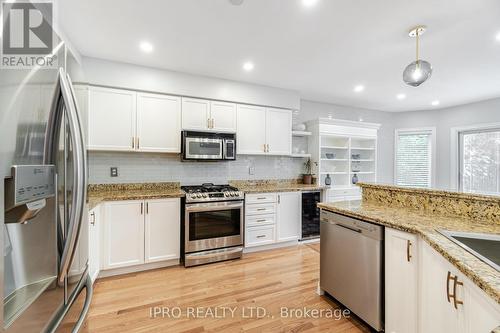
<point x="204" y="195"/>
<point x="199" y="195"/>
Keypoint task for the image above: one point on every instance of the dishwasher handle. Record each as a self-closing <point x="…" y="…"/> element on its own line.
<point x="359" y="231"/>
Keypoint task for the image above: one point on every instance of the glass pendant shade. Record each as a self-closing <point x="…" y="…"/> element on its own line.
<point x="417" y="73"/>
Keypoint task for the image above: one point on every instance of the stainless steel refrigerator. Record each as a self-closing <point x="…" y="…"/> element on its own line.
<point x="44" y="263"/>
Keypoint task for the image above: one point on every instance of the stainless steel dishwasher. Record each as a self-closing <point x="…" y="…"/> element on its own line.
<point x="351" y="271"/>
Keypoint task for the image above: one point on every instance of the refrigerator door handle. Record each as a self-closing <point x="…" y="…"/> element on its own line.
<point x="85" y="283"/>
<point x="86" y="306"/>
<point x="79" y="175"/>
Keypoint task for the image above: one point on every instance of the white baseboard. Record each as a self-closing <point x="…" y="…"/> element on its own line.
<point x="138" y="268"/>
<point x="269" y="246"/>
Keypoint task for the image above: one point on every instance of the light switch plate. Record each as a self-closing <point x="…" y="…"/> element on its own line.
<point x="114" y="171"/>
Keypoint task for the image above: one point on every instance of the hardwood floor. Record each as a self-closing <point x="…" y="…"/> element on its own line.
<point x="266" y="280"/>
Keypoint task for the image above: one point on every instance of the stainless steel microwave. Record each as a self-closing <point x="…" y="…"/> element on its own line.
<point x="206" y="146"/>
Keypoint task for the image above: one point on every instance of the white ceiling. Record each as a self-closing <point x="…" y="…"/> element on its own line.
<point x="322" y="51"/>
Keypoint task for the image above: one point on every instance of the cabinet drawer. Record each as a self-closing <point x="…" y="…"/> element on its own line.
<point x="260" y="198"/>
<point x="259" y="236"/>
<point x="260" y="209"/>
<point x="259" y="220"/>
<point x="344" y="192"/>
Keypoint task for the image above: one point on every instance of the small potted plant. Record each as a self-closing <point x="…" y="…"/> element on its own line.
<point x="307" y="176"/>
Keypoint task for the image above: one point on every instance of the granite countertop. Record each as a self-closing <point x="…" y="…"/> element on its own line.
<point x="275" y="185"/>
<point x="132" y="191"/>
<point x="426" y="225"/>
<point x="98" y="193"/>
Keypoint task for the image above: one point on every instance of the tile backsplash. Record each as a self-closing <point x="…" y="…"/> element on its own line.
<point x="146" y="167"/>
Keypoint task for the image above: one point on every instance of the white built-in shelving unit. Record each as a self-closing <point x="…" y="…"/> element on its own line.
<point x="341" y="149"/>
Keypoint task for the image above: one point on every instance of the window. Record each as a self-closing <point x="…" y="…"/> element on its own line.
<point x="479" y="161"/>
<point x="414" y="157"/>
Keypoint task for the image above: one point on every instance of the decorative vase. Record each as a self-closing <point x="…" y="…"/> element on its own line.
<point x="328" y="180"/>
<point x="307" y="179"/>
<point x="355" y="179"/>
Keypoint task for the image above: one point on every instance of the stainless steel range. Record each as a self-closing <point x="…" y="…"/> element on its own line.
<point x="213" y="224"/>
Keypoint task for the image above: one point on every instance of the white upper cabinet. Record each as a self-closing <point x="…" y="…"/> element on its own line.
<point x="251" y="130"/>
<point x="401" y="274"/>
<point x="223" y="116"/>
<point x="204" y="115"/>
<point x="195" y="114"/>
<point x="288" y="216"/>
<point x="263" y="131"/>
<point x="279" y="131"/>
<point x="162" y="230"/>
<point x="111" y="119"/>
<point x="158" y="123"/>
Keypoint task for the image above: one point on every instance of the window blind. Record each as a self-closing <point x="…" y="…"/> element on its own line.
<point x="414" y="159"/>
<point x="480" y="161"/>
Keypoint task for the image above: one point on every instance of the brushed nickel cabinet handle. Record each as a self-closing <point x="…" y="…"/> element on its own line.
<point x="456" y="302"/>
<point x="261" y="198"/>
<point x="279" y="199"/>
<point x="408" y="250"/>
<point x="261" y="220"/>
<point x="208" y="122"/>
<point x="133" y="142"/>
<point x="448" y="278"/>
<point x="261" y="236"/>
<point x="268" y="148"/>
<point x="147" y="207"/>
<point x="142" y="207"/>
<point x="137" y="142"/>
<point x="213" y="123"/>
<point x="93" y="218"/>
<point x="259" y="209"/>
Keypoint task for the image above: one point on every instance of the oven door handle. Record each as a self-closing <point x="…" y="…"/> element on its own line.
<point x="212" y="207"/>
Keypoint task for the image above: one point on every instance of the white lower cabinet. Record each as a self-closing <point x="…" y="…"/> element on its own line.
<point x="138" y="232"/>
<point x="162" y="230"/>
<point x="123" y="234"/>
<point x="288" y="216"/>
<point x="272" y="218"/>
<point x="425" y="293"/>
<point x="94" y="242"/>
<point x="401" y="274"/>
<point x="450" y="302"/>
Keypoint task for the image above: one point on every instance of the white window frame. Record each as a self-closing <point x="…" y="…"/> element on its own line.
<point x="420" y="130"/>
<point x="455" y="149"/>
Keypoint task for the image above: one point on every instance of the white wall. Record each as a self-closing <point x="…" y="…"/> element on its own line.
<point x="312" y="110"/>
<point x="444" y="120"/>
<point x="121" y="75"/>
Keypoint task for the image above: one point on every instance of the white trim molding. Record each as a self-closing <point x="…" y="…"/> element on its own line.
<point x="419" y="130"/>
<point x="454" y="149"/>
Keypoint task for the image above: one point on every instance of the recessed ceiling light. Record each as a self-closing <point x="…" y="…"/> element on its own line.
<point x="400" y="96"/>
<point x="498" y="36"/>
<point x="146" y="47"/>
<point x="309" y="3"/>
<point x="435" y="103"/>
<point x="236" y="2"/>
<point x="248" y="66"/>
<point x="359" y="88"/>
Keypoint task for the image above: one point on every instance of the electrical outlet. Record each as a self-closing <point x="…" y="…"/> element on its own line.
<point x="114" y="172"/>
<point x="251" y="170"/>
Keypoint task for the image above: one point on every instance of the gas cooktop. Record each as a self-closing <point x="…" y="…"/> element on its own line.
<point x="211" y="192"/>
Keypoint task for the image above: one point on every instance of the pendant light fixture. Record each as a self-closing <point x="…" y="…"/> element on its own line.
<point x="418" y="71"/>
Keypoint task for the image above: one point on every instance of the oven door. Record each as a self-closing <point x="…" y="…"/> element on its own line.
<point x="202" y="148"/>
<point x="213" y="225"/>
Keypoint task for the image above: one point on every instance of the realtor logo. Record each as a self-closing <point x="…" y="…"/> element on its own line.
<point x="28" y="37"/>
